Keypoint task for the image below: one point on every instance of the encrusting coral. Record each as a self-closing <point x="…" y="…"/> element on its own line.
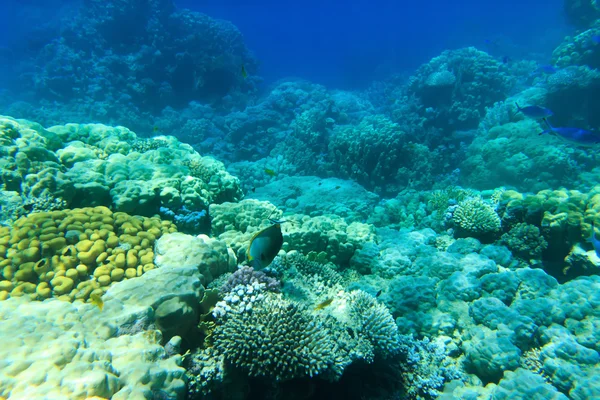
<point x="71" y="254"/>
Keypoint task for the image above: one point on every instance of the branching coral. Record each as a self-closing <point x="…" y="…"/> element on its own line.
<point x="373" y="320"/>
<point x="425" y="368"/>
<point x="279" y="340"/>
<point x="247" y="275"/>
<point x="476" y="217"/>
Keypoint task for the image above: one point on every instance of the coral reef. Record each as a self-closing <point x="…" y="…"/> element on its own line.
<point x="278" y="340"/>
<point x="67" y="350"/>
<point x="457" y="85"/>
<point x="378" y="155"/>
<point x="211" y="257"/>
<point x="71" y="254"/>
<point x="474" y="216"/>
<point x="90" y="165"/>
<point x="247" y="275"/>
<point x="104" y="67"/>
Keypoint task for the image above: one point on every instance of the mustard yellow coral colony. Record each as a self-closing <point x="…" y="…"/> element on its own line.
<point x="71" y="254"/>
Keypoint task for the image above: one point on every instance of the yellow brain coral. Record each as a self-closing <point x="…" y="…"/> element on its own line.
<point x="71" y="254"/>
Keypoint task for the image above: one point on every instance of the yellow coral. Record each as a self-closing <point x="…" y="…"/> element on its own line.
<point x="70" y="254"/>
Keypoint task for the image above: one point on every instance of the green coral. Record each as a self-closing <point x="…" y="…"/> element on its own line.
<point x="374" y="321"/>
<point x="378" y="154"/>
<point x="278" y="340"/>
<point x="475" y="217"/>
<point x="525" y="241"/>
<point x="439" y="200"/>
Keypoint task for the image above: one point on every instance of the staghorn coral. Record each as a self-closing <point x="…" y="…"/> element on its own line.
<point x="476" y="217"/>
<point x="294" y="263"/>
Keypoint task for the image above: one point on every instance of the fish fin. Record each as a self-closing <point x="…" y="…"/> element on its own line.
<point x="547" y="123"/>
<point x="518" y="108"/>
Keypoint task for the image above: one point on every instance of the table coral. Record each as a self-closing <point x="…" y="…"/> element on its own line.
<point x="71" y="254"/>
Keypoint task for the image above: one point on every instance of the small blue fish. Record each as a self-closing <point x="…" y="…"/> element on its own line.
<point x="575" y="135"/>
<point x="595" y="241"/>
<point x="535" y="112"/>
<point x="547" y="69"/>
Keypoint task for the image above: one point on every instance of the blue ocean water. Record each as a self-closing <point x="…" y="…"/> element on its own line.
<point x="347" y="45"/>
<point x="318" y="200"/>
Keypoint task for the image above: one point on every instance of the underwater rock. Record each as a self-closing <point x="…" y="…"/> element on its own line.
<point x="211" y="257"/>
<point x="58" y="349"/>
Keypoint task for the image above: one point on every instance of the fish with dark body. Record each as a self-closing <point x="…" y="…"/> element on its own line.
<point x="264" y="246"/>
<point x="535" y="112"/>
<point x="578" y="136"/>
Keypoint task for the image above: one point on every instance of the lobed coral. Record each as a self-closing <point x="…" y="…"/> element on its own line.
<point x="71" y="254"/>
<point x="93" y="164"/>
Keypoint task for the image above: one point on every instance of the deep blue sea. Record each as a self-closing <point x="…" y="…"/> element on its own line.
<point x="348" y="44"/>
<point x="361" y="200"/>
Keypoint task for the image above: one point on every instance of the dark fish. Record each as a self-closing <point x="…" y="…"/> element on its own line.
<point x="535" y="112"/>
<point x="337" y="187"/>
<point x="264" y="246"/>
<point x="276" y="221"/>
<point x="155" y="129"/>
<point x="320" y="183"/>
<point x="378" y="293"/>
<point x="324" y="304"/>
<point x="270" y="172"/>
<point x="244" y="73"/>
<point x="595" y="241"/>
<point x="575" y="135"/>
